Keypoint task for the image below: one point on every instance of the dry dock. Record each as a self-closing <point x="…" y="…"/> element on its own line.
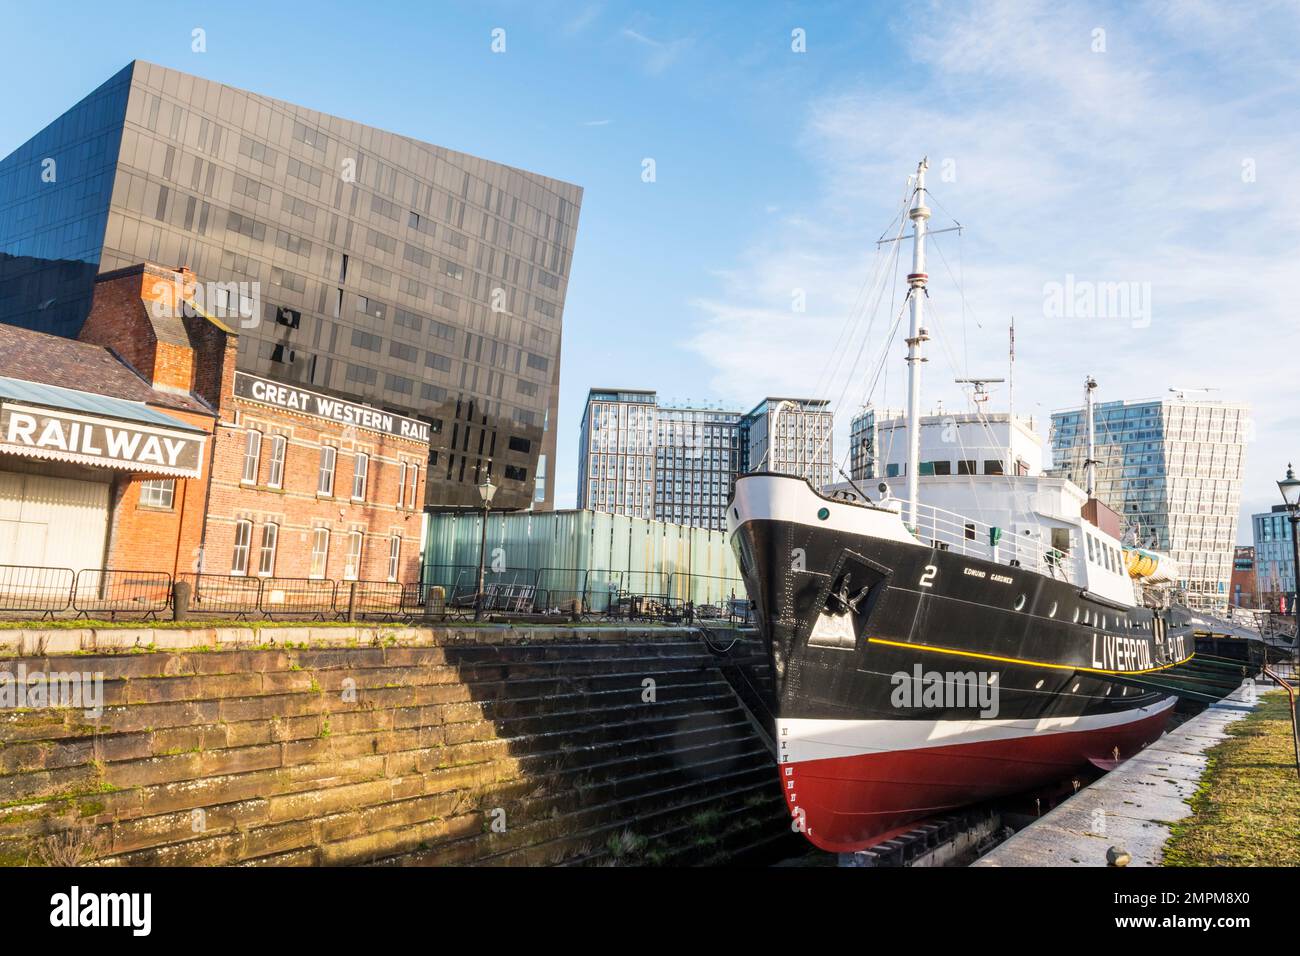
<point x="1134" y="805"/>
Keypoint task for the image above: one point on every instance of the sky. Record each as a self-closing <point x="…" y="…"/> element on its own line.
<point x="1149" y="149"/>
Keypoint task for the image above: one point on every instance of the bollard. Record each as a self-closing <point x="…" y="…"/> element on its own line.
<point x="352" y="602"/>
<point x="435" y="604"/>
<point x="181" y="591"/>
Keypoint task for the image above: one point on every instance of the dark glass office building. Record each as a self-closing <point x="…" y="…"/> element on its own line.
<point x="351" y="260"/>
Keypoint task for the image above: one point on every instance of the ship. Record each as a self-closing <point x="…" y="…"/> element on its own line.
<point x="927" y="658"/>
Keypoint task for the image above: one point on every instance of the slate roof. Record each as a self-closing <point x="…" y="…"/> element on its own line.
<point x="69" y="363"/>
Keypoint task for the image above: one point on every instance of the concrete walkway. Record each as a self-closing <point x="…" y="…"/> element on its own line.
<point x="1132" y="806"/>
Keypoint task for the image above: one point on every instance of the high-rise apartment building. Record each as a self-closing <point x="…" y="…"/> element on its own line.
<point x="616" y="452"/>
<point x="802" y="446"/>
<point x="696" y="463"/>
<point x="1172" y="468"/>
<point x="678" y="463"/>
<point x="353" y="261"/>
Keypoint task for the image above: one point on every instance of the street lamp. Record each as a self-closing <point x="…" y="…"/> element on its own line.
<point x="1290" y="488"/>
<point x="486" y="490"/>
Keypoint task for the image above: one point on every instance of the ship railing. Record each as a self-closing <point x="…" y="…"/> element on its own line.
<point x="950" y="531"/>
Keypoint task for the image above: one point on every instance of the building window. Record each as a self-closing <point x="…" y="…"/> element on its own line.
<point x="320" y="552"/>
<point x="359" y="473"/>
<point x="415" y="484"/>
<point x="158" y="493"/>
<point x="243" y="538"/>
<point x="325" y="477"/>
<point x="394" y="555"/>
<point x="353" y="569"/>
<point x="266" y="557"/>
<point x="401" y="487"/>
<point x="252" y="457"/>
<point x="275" y="475"/>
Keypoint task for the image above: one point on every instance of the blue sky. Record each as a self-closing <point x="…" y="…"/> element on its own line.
<point x="1162" y="151"/>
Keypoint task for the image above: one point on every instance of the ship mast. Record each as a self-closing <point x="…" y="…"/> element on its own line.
<point x="917" y="335"/>
<point x="1090" y="463"/>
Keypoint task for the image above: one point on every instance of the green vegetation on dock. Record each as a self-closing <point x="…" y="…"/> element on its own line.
<point x="1247" y="809"/>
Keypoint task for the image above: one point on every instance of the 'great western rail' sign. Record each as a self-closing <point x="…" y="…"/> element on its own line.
<point x="94" y="440"/>
<point x="294" y="399"/>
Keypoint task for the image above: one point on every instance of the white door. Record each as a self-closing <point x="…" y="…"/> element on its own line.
<point x="52" y="522"/>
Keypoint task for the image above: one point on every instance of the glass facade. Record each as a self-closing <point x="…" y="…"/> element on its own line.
<point x="863" y="439"/>
<point x="366" y="264"/>
<point x="54" y="207"/>
<point x="1173" y="469"/>
<point x="1274" y="558"/>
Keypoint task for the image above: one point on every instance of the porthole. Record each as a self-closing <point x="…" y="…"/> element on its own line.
<point x="1076" y="615"/>
<point x="1074" y="689"/>
<point x="993" y="678"/>
<point x="1052" y="612"/>
<point x="1038" y="686"/>
<point x="823" y="513"/>
<point x="1020" y="603"/>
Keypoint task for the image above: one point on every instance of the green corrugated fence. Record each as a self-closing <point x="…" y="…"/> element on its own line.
<point x="589" y="554"/>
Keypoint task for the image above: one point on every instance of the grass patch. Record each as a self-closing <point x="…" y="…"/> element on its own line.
<point x="1247" y="810"/>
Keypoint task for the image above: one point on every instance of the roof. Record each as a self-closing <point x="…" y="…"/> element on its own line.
<point x="39" y="358"/>
<point x="69" y="399"/>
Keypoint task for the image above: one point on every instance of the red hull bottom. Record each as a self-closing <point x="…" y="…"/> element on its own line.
<point x="850" y="803"/>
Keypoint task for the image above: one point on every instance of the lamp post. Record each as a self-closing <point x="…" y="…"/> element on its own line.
<point x="486" y="490"/>
<point x="1290" y="488"/>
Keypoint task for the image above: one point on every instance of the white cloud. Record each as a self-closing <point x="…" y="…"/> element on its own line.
<point x="1125" y="165"/>
<point x="660" y="54"/>
<point x="584" y="19"/>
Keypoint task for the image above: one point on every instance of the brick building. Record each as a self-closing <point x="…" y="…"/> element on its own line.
<point x="275" y="480"/>
<point x="1243" y="589"/>
<point x="305" y="485"/>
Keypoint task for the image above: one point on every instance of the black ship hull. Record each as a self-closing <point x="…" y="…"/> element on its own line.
<point x="911" y="679"/>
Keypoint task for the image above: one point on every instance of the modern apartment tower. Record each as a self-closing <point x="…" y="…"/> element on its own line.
<point x="696" y="463"/>
<point x="803" y="446"/>
<point x="357" y="262"/>
<point x="616" y="452"/>
<point x="1172" y="468"/>
<point x="678" y="462"/>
